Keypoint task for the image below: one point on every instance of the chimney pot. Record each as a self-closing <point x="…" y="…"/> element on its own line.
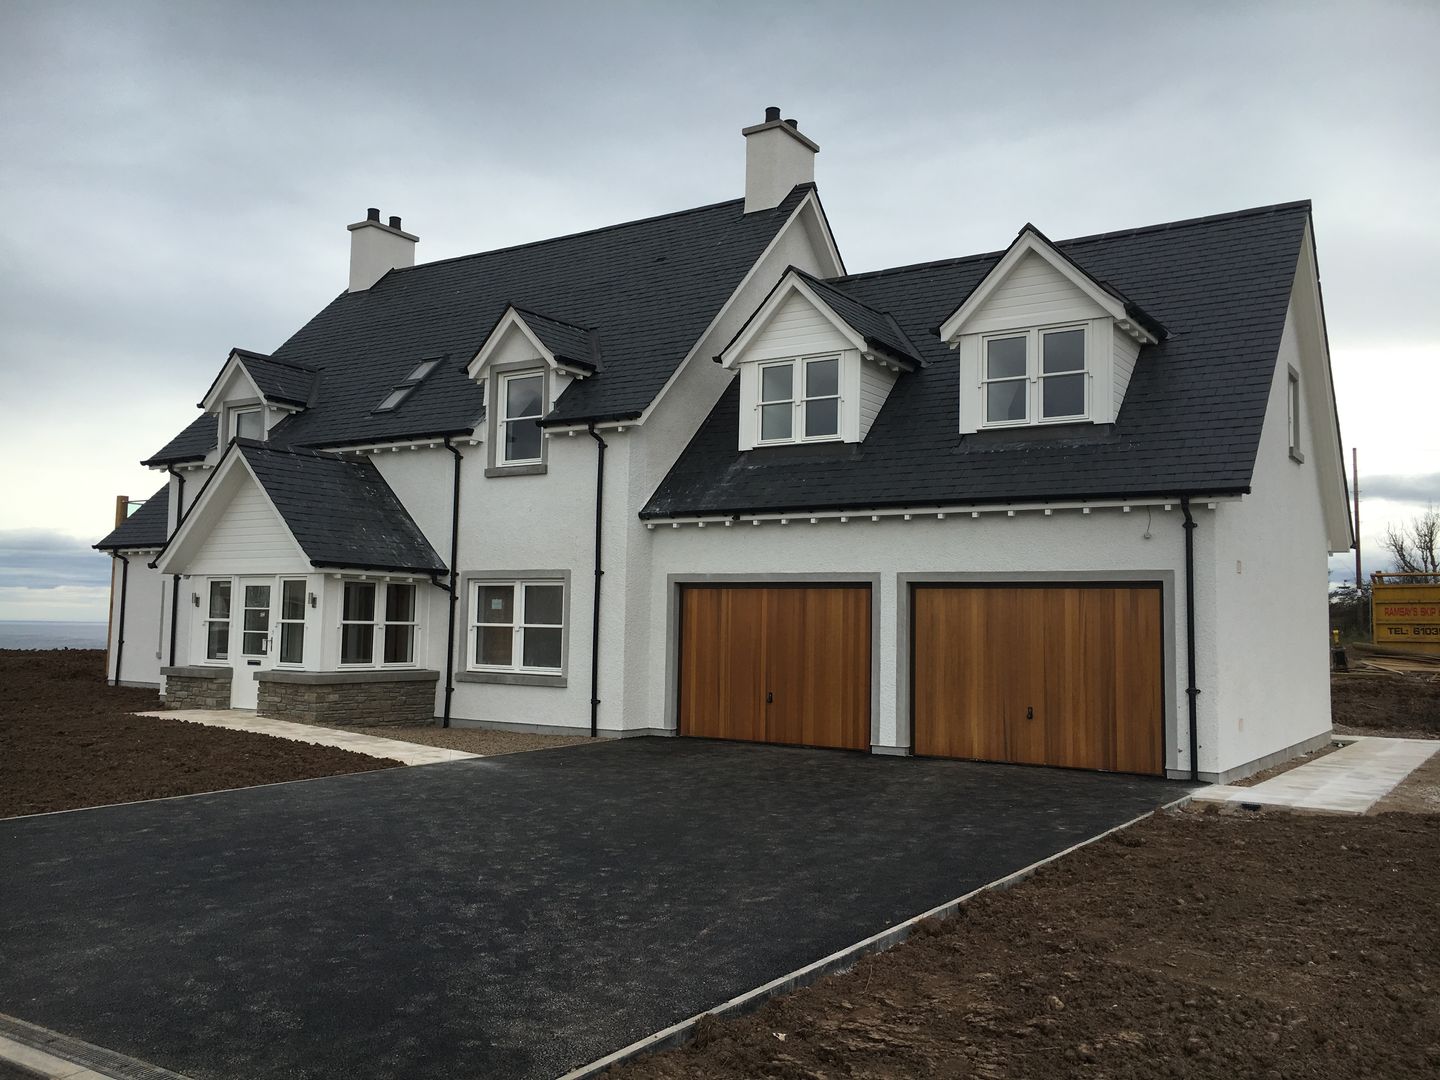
<point x="372" y="214"/>
<point x="772" y="114"/>
<point x="794" y="124"/>
<point x="394" y="221"/>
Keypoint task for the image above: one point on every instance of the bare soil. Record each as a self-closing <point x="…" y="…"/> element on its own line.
<point x="1418" y="793"/>
<point x="67" y="740"/>
<point x="1284" y="766"/>
<point x="1197" y="944"/>
<point x="474" y="740"/>
<point x="1378" y="703"/>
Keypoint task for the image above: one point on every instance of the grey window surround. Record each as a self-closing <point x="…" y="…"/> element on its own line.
<point x="493" y="417"/>
<point x="1292" y="400"/>
<point x="465" y="672"/>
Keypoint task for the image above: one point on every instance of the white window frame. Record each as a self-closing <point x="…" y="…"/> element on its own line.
<point x="517" y="624"/>
<point x="281" y="622"/>
<point x="379" y="625"/>
<point x="504" y="419"/>
<point x="800" y="398"/>
<point x="228" y="621"/>
<point x="1293" y="414"/>
<point x="1035" y="376"/>
<point x="413" y="624"/>
<point x="237" y="411"/>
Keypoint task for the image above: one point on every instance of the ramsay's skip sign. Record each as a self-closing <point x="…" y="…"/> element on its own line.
<point x="1406" y="614"/>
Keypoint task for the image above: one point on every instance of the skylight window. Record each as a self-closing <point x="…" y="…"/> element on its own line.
<point x="401" y="390"/>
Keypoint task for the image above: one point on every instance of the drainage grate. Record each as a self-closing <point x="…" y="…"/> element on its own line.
<point x="96" y="1058"/>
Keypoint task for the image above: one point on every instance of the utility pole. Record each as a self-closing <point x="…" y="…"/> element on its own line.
<point x="1355" y="475"/>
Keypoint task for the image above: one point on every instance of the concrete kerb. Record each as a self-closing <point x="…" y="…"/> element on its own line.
<point x="679" y="1034"/>
<point x="40" y="1052"/>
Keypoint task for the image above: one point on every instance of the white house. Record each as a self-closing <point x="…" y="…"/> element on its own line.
<point x="1069" y="503"/>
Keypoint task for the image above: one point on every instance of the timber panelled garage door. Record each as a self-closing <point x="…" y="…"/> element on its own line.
<point x="1068" y="675"/>
<point x="776" y="663"/>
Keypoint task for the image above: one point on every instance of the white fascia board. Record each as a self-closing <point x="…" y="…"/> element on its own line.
<point x="199" y="509"/>
<point x="941" y="510"/>
<point x="789" y="285"/>
<point x="212" y="401"/>
<point x="1340" y="527"/>
<point x="511" y="320"/>
<point x="1026" y="243"/>
<point x="809" y="205"/>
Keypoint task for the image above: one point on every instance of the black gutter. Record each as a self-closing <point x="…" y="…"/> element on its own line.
<point x="120" y="632"/>
<point x="175" y="578"/>
<point x="1191" y="691"/>
<point x="454" y="582"/>
<point x="599" y="573"/>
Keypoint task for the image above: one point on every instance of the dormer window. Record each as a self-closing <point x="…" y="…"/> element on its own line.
<point x="1036" y="374"/>
<point x="522" y="403"/>
<point x="247" y="423"/>
<point x="812" y="414"/>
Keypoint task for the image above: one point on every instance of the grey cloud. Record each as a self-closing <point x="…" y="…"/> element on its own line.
<point x="39" y="559"/>
<point x="1422" y="490"/>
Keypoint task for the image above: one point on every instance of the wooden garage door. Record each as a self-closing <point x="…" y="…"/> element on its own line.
<point x="1047" y="675"/>
<point x="779" y="664"/>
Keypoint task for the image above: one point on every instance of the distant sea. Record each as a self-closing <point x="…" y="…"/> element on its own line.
<point x="51" y="635"/>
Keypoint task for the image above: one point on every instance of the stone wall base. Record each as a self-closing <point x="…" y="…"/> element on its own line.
<point x="196" y="687"/>
<point x="349" y="699"/>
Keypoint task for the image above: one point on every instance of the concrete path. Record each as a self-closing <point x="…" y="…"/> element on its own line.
<point x="1349" y="781"/>
<point x="241" y="720"/>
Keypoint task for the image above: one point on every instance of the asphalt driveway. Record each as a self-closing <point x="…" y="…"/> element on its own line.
<point x="506" y="917"/>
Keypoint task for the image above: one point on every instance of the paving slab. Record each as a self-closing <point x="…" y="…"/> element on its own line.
<point x="1348" y="781"/>
<point x="371" y="745"/>
<point x="515" y="916"/>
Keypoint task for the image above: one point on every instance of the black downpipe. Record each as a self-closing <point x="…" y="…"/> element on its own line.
<point x="120" y="633"/>
<point x="175" y="578"/>
<point x="1191" y="691"/>
<point x="599" y="573"/>
<point x="454" y="582"/>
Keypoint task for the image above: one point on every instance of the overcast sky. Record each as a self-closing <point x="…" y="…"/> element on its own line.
<point x="176" y="178"/>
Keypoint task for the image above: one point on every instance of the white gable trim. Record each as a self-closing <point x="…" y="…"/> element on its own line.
<point x="172" y="557"/>
<point x="212" y="402"/>
<point x="790" y="285"/>
<point x="512" y="320"/>
<point x="1027" y="243"/>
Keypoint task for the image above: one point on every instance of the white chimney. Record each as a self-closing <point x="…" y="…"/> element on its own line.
<point x="376" y="249"/>
<point x="777" y="157"/>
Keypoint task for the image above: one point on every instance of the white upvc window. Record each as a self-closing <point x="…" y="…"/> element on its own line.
<point x="292" y="620"/>
<point x="217" y="619"/>
<point x="517" y="626"/>
<point x="799" y="400"/>
<point x="1034" y="376"/>
<point x="378" y="624"/>
<point x="522" y="403"/>
<point x="247" y="422"/>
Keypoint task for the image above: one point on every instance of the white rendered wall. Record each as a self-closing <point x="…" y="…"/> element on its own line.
<point x="997" y="546"/>
<point x="1272" y="575"/>
<point x="147" y="602"/>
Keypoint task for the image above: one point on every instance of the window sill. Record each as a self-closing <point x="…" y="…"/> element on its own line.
<point x="1297" y="457"/>
<point x="516" y="470"/>
<point x="510" y="678"/>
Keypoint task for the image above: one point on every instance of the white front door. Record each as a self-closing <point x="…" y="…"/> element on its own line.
<point x="254" y="619"/>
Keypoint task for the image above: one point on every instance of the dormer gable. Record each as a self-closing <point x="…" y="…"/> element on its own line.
<point x="520" y="335"/>
<point x="815" y="365"/>
<point x="1042" y="341"/>
<point x="254" y="392"/>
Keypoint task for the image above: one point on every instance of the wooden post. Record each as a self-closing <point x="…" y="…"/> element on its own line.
<point x="1355" y="475"/>
<point x="122" y="506"/>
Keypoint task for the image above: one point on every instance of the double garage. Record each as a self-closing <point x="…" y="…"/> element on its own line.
<point x="1063" y="674"/>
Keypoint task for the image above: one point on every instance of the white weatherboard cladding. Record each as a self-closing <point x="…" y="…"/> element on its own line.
<point x="1124" y="352"/>
<point x="1271" y="576"/>
<point x="795" y="329"/>
<point x="875" y="384"/>
<point x="999" y="547"/>
<point x="147" y="620"/>
<point x="245" y="537"/>
<point x="1034" y="293"/>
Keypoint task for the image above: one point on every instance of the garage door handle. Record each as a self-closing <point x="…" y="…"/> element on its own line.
<point x="1029" y="712"/>
<point x="770" y="699"/>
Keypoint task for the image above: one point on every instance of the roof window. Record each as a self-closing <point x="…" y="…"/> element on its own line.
<point x="401" y="390"/>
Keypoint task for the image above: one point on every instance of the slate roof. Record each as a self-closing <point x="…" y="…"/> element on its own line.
<point x="650" y="288"/>
<point x="192" y="444"/>
<point x="279" y="381"/>
<point x="340" y="510"/>
<point x="1190" y="422"/>
<point x="567" y="342"/>
<point x="878" y="328"/>
<point x="147" y="527"/>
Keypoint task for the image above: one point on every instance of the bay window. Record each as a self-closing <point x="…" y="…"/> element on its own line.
<point x="368" y="617"/>
<point x="292" y="621"/>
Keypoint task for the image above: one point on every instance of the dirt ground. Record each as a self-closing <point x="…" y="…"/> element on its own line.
<point x="67" y="741"/>
<point x="1405" y="706"/>
<point x="1418" y="793"/>
<point x="1198" y="944"/>
<point x="1284" y="767"/>
<point x="474" y="740"/>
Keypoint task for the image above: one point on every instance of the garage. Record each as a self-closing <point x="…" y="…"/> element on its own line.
<point x="776" y="664"/>
<point x="1068" y="675"/>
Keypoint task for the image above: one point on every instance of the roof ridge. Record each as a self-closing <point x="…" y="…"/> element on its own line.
<point x="1253" y="211"/>
<point x="810" y="185"/>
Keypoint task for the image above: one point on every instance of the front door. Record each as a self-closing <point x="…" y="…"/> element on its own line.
<point x="253" y="611"/>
